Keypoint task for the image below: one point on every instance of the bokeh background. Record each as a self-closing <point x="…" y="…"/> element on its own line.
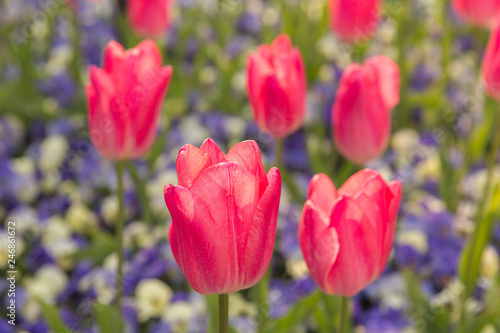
<point x="61" y="193"/>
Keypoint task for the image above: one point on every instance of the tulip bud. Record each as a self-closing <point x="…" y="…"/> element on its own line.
<point x="490" y="68"/>
<point x="361" y="112"/>
<point x="125" y="99"/>
<point x="149" y="18"/>
<point x="277" y="87"/>
<point x="346" y="236"/>
<point x="478" y="12"/>
<point x="224" y="213"/>
<point x="354" y="21"/>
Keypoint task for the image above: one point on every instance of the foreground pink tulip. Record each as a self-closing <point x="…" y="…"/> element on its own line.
<point x="277" y="87"/>
<point x="224" y="213"/>
<point x="361" y="112"/>
<point x="354" y="20"/>
<point x="346" y="236"/>
<point x="149" y="18"/>
<point x="490" y="71"/>
<point x="478" y="12"/>
<point x="125" y="98"/>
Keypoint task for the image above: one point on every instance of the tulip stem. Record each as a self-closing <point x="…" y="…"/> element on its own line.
<point x="279" y="153"/>
<point x="119" y="235"/>
<point x="223" y="313"/>
<point x="344" y="315"/>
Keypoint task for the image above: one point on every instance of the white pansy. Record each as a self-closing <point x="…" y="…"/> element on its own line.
<point x="81" y="219"/>
<point x="102" y="282"/>
<point x="4" y="248"/>
<point x="195" y="133"/>
<point x="152" y="297"/>
<point x="138" y="234"/>
<point x="109" y="209"/>
<point x="178" y="315"/>
<point x="417" y="239"/>
<point x="240" y="306"/>
<point x="490" y="262"/>
<point x="53" y="150"/>
<point x="154" y="190"/>
<point x="26" y="188"/>
<point x="47" y="283"/>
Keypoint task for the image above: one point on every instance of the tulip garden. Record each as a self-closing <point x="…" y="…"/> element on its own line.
<point x="250" y="166"/>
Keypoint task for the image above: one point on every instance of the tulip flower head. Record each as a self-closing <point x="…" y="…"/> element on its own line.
<point x="224" y="213"/>
<point x="149" y="18"/>
<point x="481" y="13"/>
<point x="361" y="112"/>
<point x="277" y="87"/>
<point x="346" y="235"/>
<point x="125" y="99"/>
<point x="490" y="68"/>
<point x="354" y="21"/>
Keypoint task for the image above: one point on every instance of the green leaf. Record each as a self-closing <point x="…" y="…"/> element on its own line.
<point x="101" y="245"/>
<point x="108" y="318"/>
<point x="51" y="315"/>
<point x="426" y="317"/>
<point x="301" y="311"/>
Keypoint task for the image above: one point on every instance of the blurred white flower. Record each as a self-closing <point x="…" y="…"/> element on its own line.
<point x="178" y="315"/>
<point x="152" y="297"/>
<point x="47" y="283"/>
<point x="490" y="263"/>
<point x="27" y="187"/>
<point x="109" y="209"/>
<point x="81" y="219"/>
<point x="417" y="239"/>
<point x="53" y="150"/>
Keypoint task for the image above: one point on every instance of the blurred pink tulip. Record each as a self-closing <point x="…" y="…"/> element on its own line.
<point x="125" y="99"/>
<point x="224" y="213"/>
<point x="149" y="18"/>
<point x="361" y="113"/>
<point x="277" y="87"/>
<point x="354" y="20"/>
<point x="490" y="69"/>
<point x="346" y="236"/>
<point x="478" y="12"/>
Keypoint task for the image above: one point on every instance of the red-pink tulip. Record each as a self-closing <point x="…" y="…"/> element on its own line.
<point x="149" y="18"/>
<point x="354" y="20"/>
<point x="361" y="112"/>
<point x="224" y="213"/>
<point x="125" y="98"/>
<point x="346" y="236"/>
<point x="277" y="87"/>
<point x="490" y="71"/>
<point x="478" y="12"/>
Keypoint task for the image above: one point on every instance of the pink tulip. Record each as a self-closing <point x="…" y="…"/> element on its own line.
<point x="224" y="213"/>
<point x="361" y="112"/>
<point x="125" y="99"/>
<point x="490" y="71"/>
<point x="277" y="87"/>
<point x="354" y="20"/>
<point x="346" y="236"/>
<point x="478" y="12"/>
<point x="149" y="18"/>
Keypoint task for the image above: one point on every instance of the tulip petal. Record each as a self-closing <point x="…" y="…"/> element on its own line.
<point x="113" y="57"/>
<point x="199" y="244"/>
<point x="353" y="268"/>
<point x="231" y="194"/>
<point x="322" y="193"/>
<point x="356" y="182"/>
<point x="260" y="234"/>
<point x="211" y="148"/>
<point x="247" y="155"/>
<point x="318" y="242"/>
<point x="190" y="162"/>
<point x="389" y="79"/>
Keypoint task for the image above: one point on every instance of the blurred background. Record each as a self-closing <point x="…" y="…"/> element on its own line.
<point x="61" y="193"/>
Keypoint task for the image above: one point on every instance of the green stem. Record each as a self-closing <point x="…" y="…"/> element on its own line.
<point x="119" y="235"/>
<point x="344" y="315"/>
<point x="402" y="18"/>
<point x="279" y="153"/>
<point x="223" y="313"/>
